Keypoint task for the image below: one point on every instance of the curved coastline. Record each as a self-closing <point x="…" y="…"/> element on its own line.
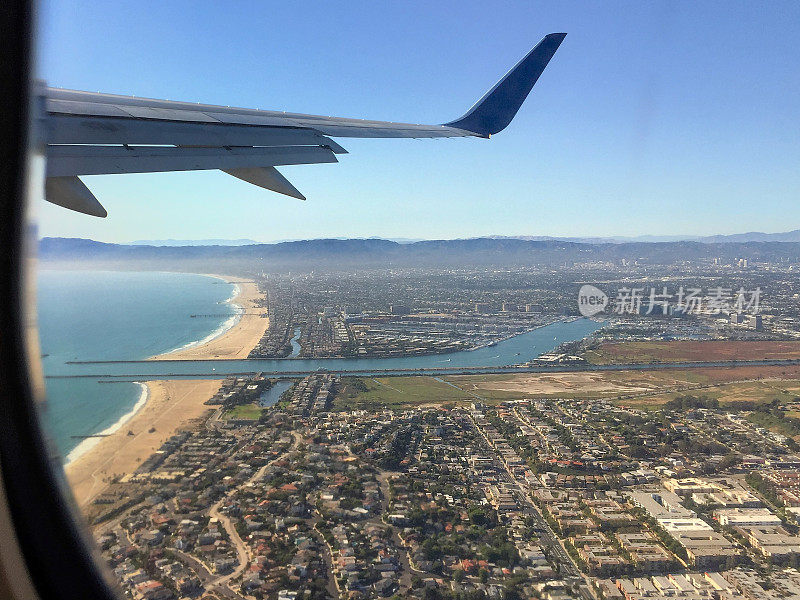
<point x="165" y="406"/>
<point x="223" y="328"/>
<point x="236" y="336"/>
<point x="90" y="442"/>
<point x="170" y="407"/>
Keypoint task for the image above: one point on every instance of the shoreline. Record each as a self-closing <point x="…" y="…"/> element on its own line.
<point x="91" y="442"/>
<point x="165" y="407"/>
<point x="170" y="407"/>
<point x="223" y="328"/>
<point x="234" y="341"/>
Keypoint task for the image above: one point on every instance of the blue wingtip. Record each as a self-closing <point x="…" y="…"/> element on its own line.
<point x="492" y="113"/>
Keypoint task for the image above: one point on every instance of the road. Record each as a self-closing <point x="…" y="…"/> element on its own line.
<point x="332" y="583"/>
<point x="207" y="578"/>
<point x="551" y="541"/>
<point x="405" y="563"/>
<point x="242" y="550"/>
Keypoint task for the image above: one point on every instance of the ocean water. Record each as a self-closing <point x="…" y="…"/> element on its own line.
<point x="116" y="316"/>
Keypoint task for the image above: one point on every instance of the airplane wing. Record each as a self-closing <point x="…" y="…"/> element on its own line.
<point x="92" y="134"/>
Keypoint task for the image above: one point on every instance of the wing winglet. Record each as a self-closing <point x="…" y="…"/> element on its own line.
<point x="495" y="110"/>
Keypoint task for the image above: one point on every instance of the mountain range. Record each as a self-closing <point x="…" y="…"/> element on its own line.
<point x="379" y="253"/>
<point x="752" y="236"/>
<point x="210" y="242"/>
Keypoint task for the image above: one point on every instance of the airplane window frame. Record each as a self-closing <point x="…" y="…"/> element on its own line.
<point x="50" y="541"/>
<point x="46" y="550"/>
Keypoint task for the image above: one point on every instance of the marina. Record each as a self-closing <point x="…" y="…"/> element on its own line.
<point x="501" y="356"/>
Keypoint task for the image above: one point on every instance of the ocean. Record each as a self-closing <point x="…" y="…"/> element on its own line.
<point x="116" y="315"/>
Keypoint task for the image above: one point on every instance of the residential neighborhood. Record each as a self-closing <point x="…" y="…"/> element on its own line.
<point x="535" y="498"/>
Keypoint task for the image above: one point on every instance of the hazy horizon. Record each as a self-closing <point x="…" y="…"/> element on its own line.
<point x="243" y="241"/>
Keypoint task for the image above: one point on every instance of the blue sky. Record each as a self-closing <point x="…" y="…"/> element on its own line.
<point x="656" y="118"/>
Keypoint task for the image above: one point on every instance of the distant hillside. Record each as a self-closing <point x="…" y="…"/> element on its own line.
<point x="377" y="253"/>
<point x="212" y="242"/>
<point x="753" y="236"/>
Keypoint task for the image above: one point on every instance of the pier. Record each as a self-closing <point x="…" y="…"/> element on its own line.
<point x="259" y="314"/>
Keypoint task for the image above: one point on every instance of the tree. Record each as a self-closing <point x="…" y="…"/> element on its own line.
<point x="730" y="563"/>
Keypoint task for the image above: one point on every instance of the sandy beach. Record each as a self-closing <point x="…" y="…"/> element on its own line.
<point x="170" y="405"/>
<point x="240" y="339"/>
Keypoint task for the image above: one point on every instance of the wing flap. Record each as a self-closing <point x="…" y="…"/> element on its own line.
<point x="99" y="160"/>
<point x="268" y="178"/>
<point x="64" y="129"/>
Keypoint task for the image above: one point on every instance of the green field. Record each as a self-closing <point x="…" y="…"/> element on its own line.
<point x="760" y="392"/>
<point x="655" y="389"/>
<point x="692" y="351"/>
<point x="243" y="411"/>
<point x="372" y="393"/>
